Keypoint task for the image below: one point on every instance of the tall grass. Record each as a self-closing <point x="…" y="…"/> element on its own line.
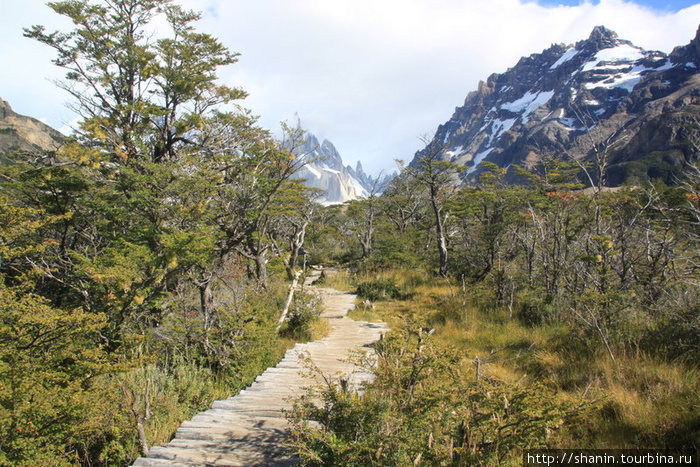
<point x="637" y="400"/>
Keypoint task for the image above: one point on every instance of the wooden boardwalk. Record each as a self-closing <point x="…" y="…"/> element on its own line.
<point x="249" y="429"/>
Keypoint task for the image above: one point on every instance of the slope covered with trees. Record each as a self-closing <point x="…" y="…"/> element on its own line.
<point x="137" y="281"/>
<point x="562" y="318"/>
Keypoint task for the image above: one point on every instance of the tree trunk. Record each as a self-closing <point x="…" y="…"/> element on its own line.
<point x="261" y="268"/>
<point x="441" y="240"/>
<point x="290" y="296"/>
<point x="439" y="232"/>
<point x="140" y="418"/>
<point x="296" y="243"/>
<point x="206" y="302"/>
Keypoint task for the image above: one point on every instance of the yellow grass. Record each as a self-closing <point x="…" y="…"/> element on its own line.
<point x="635" y="401"/>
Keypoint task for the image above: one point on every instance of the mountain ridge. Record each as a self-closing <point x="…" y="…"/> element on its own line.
<point x="20" y="133"/>
<point x="323" y="168"/>
<point x="569" y="101"/>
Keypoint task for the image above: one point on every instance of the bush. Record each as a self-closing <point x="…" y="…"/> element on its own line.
<point x="379" y="289"/>
<point x="303" y="313"/>
<point x="423" y="409"/>
<point x="535" y="310"/>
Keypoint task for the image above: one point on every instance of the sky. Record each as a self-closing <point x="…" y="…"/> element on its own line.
<point x="371" y="76"/>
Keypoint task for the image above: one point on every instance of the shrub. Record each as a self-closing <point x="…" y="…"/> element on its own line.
<point x="303" y="314"/>
<point x="534" y="310"/>
<point x="379" y="289"/>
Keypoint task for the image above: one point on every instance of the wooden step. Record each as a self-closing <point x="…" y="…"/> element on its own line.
<point x="250" y="428"/>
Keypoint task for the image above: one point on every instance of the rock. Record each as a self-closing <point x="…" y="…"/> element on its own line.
<point x="325" y="171"/>
<point x="337" y="183"/>
<point x="603" y="92"/>
<point x="20" y="134"/>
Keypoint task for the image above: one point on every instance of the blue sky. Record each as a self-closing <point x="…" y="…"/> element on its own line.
<point x="662" y="5"/>
<point x="372" y="76"/>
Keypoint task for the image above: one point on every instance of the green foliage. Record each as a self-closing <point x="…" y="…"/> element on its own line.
<point x="534" y="310"/>
<point x="422" y="409"/>
<point x="143" y="242"/>
<point x="48" y="361"/>
<point x="568" y="287"/>
<point x="49" y="357"/>
<point x="378" y="289"/>
<point x="141" y="96"/>
<point x="304" y="312"/>
<point x="140" y="264"/>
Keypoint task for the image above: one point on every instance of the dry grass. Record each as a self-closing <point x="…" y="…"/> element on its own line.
<point x="319" y="329"/>
<point x="336" y="279"/>
<point x="364" y="314"/>
<point x="635" y="401"/>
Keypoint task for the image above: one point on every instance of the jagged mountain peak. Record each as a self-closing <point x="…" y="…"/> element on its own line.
<point x="322" y="153"/>
<point x="5" y="108"/>
<point x="689" y="53"/>
<point x="602" y="35"/>
<point x="696" y="42"/>
<point x="324" y="169"/>
<point x="567" y="100"/>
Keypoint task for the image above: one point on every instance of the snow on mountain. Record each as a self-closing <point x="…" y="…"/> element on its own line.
<point x="324" y="170"/>
<point x="569" y="98"/>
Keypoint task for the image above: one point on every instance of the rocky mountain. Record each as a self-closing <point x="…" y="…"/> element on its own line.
<point x="324" y="170"/>
<point x="19" y="133"/>
<point x="637" y="110"/>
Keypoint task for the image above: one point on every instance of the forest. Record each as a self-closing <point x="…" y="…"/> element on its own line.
<point x="144" y="266"/>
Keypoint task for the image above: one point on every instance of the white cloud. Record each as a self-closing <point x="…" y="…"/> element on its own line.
<point x="370" y="75"/>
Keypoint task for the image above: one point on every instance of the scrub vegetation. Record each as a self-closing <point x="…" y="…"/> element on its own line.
<point x="144" y="267"/>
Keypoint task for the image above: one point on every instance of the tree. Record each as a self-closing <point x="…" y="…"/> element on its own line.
<point x="140" y="98"/>
<point x="363" y="213"/>
<point x="158" y="199"/>
<point x="487" y="228"/>
<point x="402" y="201"/>
<point x="50" y="357"/>
<point x="439" y="178"/>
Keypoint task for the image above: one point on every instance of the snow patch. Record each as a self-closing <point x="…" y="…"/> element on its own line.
<point x="690" y="65"/>
<point x="313" y="171"/>
<point x="359" y="189"/>
<point x="333" y="171"/>
<point x="621" y="53"/>
<point x="520" y="104"/>
<point x="528" y="103"/>
<point x="478" y="158"/>
<point x="567" y="121"/>
<point x="568" y="55"/>
<point x="626" y="81"/>
<point x="454" y="151"/>
<point x="487" y="120"/>
<point x="498" y="127"/>
<point x="666" y="66"/>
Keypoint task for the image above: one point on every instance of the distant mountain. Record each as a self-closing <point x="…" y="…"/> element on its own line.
<point x="19" y="133"/>
<point x="324" y="170"/>
<point x="601" y="94"/>
<point x="323" y="167"/>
